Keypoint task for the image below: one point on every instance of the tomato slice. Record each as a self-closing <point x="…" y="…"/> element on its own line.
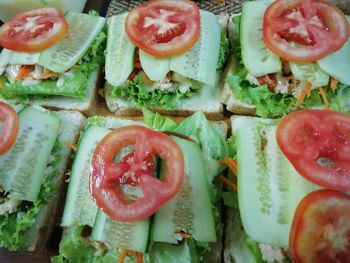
<point x="304" y="30"/>
<point x="33" y="30"/>
<point x="164" y="28"/>
<point x="108" y="177"/>
<point x="317" y="143"/>
<point x="320" y="230"/>
<point x="9" y="127"/>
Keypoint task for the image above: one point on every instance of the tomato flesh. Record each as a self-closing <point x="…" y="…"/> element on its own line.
<point x="33" y="30"/>
<point x="320" y="230"/>
<point x="317" y="143"/>
<point x="108" y="178"/>
<point x="304" y="30"/>
<point x="9" y="127"/>
<point x="164" y="28"/>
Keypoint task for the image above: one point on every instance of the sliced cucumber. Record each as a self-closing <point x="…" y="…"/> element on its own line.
<point x="83" y="29"/>
<point x="80" y="207"/>
<point x="5" y="57"/>
<point x="199" y="63"/>
<point x="337" y="64"/>
<point x="24" y="164"/>
<point x="310" y="72"/>
<point x="257" y="58"/>
<point x="24" y="58"/>
<point x="155" y="68"/>
<point x="269" y="188"/>
<point x="190" y="211"/>
<point x="119" y="52"/>
<point x="115" y="234"/>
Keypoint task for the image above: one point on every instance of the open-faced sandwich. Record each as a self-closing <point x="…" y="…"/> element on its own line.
<point x="293" y="176"/>
<point x="33" y="159"/>
<point x="288" y="55"/>
<point x="51" y="59"/>
<point x="165" y="55"/>
<point x="145" y="194"/>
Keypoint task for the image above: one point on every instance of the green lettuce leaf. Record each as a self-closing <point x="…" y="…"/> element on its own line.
<point x="224" y="50"/>
<point x="269" y="104"/>
<point x="142" y="95"/>
<point x="157" y="122"/>
<point x="15" y="227"/>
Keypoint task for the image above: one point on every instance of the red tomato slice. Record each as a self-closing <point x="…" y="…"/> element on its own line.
<point x="8" y="128"/>
<point x="320" y="230"/>
<point x="33" y="30"/>
<point x="304" y="30"/>
<point x="317" y="143"/>
<point x="164" y="28"/>
<point x="108" y="178"/>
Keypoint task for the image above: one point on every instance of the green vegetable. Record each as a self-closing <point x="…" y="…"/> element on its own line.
<point x="224" y="50"/>
<point x="15" y="227"/>
<point x="141" y="94"/>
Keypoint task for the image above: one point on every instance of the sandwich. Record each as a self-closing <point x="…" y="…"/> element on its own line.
<point x="293" y="177"/>
<point x="32" y="170"/>
<point x="288" y="55"/>
<point x="131" y="217"/>
<point x="167" y="56"/>
<point x="52" y="60"/>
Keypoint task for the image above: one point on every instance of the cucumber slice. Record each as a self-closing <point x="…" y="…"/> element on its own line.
<point x="310" y="72"/>
<point x="337" y="64"/>
<point x="269" y="189"/>
<point x="190" y="210"/>
<point x="24" y="58"/>
<point x="199" y="63"/>
<point x="257" y="58"/>
<point x="131" y="235"/>
<point x="83" y="29"/>
<point x="80" y="207"/>
<point x="155" y="68"/>
<point x="27" y="160"/>
<point x="5" y="57"/>
<point x="119" y="52"/>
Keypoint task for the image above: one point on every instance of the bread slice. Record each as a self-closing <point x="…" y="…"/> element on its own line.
<point x="86" y="105"/>
<point x="207" y="100"/>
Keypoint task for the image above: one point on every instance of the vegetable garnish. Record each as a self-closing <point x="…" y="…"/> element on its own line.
<point x="9" y="128"/>
<point x="164" y="28"/>
<point x="317" y="143"/>
<point x="228" y="182"/>
<point x="124" y="252"/>
<point x="323" y="91"/>
<point x="135" y="169"/>
<point x="230" y="163"/>
<point x="334" y="83"/>
<point x="304" y="30"/>
<point x="33" y="30"/>
<point x="71" y="146"/>
<point x="321" y="227"/>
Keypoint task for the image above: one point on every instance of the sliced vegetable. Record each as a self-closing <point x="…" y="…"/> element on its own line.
<point x="8" y="127"/>
<point x="321" y="227"/>
<point x="317" y="143"/>
<point x="164" y="28"/>
<point x="304" y="31"/>
<point x="33" y="30"/>
<point x="108" y="178"/>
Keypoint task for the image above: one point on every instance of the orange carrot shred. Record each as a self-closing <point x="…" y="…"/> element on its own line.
<point x="139" y="257"/>
<point x="183" y="234"/>
<point x="228" y="182"/>
<point x="231" y="164"/>
<point x="71" y="145"/>
<point x="334" y="83"/>
<point x="123" y="254"/>
<point x="324" y="96"/>
<point x="24" y="71"/>
<point x="303" y="93"/>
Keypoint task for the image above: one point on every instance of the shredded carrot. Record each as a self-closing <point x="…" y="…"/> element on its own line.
<point x="71" y="145"/>
<point x="231" y="164"/>
<point x="334" y="83"/>
<point x="47" y="74"/>
<point x="228" y="182"/>
<point x="305" y="92"/>
<point x="24" y="71"/>
<point x="123" y="254"/>
<point x="183" y="234"/>
<point x="323" y="91"/>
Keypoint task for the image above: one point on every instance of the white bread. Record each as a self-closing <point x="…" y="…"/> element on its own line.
<point x="207" y="100"/>
<point x="71" y="125"/>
